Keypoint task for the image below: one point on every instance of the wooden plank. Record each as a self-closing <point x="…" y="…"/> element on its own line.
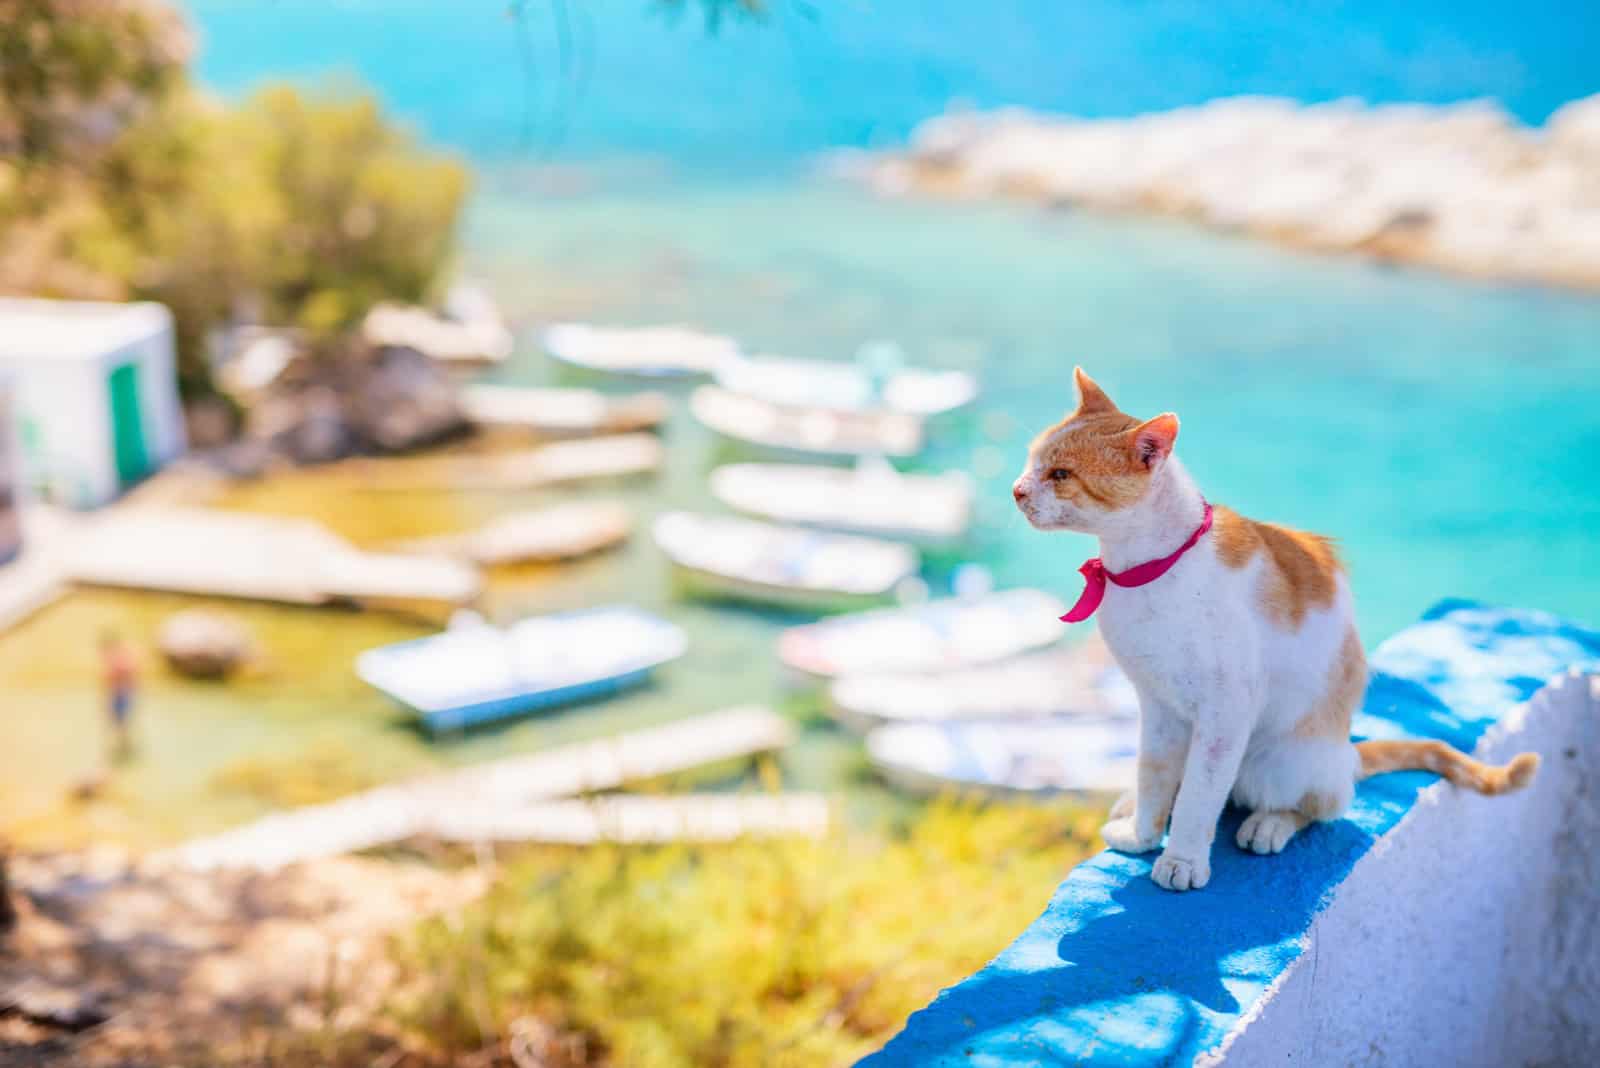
<point x="391" y="813"/>
<point x="621" y="818"/>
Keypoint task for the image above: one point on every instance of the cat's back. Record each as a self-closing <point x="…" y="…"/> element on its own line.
<point x="1293" y="576"/>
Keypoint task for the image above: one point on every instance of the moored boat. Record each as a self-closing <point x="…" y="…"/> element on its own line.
<point x="806" y="431"/>
<point x="1059" y="682"/>
<point x="849" y="387"/>
<point x="646" y="351"/>
<point x="561" y="412"/>
<point x="942" y="634"/>
<point x="872" y="499"/>
<point x="1008" y="757"/>
<point x="611" y="456"/>
<point x="560" y="532"/>
<point x="476" y="673"/>
<point x="743" y="559"/>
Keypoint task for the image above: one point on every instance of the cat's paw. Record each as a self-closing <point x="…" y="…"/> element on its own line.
<point x="1180" y="873"/>
<point x="1267" y="831"/>
<point x="1123" y="805"/>
<point x="1122" y="834"/>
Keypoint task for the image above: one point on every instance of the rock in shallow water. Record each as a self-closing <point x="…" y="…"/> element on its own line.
<point x="205" y="645"/>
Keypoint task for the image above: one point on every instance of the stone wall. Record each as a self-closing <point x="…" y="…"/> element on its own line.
<point x="1428" y="926"/>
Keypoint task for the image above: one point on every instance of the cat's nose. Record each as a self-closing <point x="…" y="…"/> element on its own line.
<point x="1018" y="490"/>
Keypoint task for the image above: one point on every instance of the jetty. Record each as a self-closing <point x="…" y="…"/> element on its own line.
<point x="257" y="557"/>
<point x="491" y="800"/>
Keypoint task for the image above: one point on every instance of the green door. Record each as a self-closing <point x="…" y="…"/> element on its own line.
<point x="127" y="425"/>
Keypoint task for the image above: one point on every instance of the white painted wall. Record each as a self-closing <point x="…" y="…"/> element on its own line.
<point x="66" y="409"/>
<point x="158" y="391"/>
<point x="60" y="355"/>
<point x="1470" y="934"/>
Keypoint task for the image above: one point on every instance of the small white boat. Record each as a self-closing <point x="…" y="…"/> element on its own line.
<point x="804" y="569"/>
<point x="647" y="351"/>
<point x="872" y="499"/>
<point x="476" y="673"/>
<point x="562" y="412"/>
<point x="612" y="456"/>
<point x="561" y="532"/>
<point x="468" y="332"/>
<point x="1008" y="757"/>
<point x="847" y="387"/>
<point x="806" y="431"/>
<point x="1081" y="681"/>
<point x="940" y="635"/>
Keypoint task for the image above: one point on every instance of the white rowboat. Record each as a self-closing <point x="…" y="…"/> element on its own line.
<point x="806" y="431"/>
<point x="1008" y="757"/>
<point x="1080" y="681"/>
<point x="561" y="532"/>
<point x="871" y="499"/>
<point x="479" y="673"/>
<point x="847" y="386"/>
<point x="562" y="412"/>
<point x="940" y="635"/>
<point x="790" y="566"/>
<point x="647" y="351"/>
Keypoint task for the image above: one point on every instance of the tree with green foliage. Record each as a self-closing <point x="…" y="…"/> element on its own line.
<point x="120" y="180"/>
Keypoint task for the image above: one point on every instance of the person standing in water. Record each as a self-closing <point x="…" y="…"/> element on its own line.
<point x="120" y="676"/>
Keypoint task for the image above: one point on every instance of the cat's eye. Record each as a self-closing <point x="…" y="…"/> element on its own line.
<point x="1058" y="474"/>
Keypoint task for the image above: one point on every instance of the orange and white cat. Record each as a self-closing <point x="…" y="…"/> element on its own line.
<point x="1244" y="652"/>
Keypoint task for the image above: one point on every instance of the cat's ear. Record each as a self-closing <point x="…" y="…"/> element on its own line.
<point x="1153" y="439"/>
<point x="1091" y="398"/>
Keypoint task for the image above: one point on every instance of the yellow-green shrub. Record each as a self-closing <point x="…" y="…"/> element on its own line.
<point x="749" y="954"/>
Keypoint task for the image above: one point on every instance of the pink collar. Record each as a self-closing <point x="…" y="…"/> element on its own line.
<point x="1095" y="574"/>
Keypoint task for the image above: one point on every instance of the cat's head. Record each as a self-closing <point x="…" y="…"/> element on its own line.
<point x="1086" y="471"/>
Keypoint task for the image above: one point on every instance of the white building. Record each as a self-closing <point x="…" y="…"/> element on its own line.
<point x="95" y="394"/>
<point x="10" y="474"/>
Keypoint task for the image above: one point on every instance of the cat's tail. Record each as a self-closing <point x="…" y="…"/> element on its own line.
<point x="1458" y="767"/>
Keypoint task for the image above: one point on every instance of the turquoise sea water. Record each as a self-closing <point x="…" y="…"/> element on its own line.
<point x="1446" y="431"/>
<point x="821" y="73"/>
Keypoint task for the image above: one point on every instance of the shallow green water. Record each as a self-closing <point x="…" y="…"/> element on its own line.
<point x="1445" y="431"/>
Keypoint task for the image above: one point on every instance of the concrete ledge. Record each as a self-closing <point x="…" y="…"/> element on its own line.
<point x="1427" y="927"/>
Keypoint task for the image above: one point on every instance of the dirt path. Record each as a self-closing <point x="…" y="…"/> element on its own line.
<point x="114" y="963"/>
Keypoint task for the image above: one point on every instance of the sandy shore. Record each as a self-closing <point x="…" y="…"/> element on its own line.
<point x="1464" y="188"/>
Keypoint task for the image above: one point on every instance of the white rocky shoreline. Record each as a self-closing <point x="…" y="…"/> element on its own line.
<point x="1463" y="187"/>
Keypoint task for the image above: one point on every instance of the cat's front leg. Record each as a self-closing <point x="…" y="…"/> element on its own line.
<point x="1162" y="737"/>
<point x="1216" y="748"/>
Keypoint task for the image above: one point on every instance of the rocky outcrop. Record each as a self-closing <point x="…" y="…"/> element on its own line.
<point x="357" y="401"/>
<point x="1464" y="188"/>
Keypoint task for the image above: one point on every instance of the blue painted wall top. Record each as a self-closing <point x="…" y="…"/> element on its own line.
<point x="1120" y="972"/>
